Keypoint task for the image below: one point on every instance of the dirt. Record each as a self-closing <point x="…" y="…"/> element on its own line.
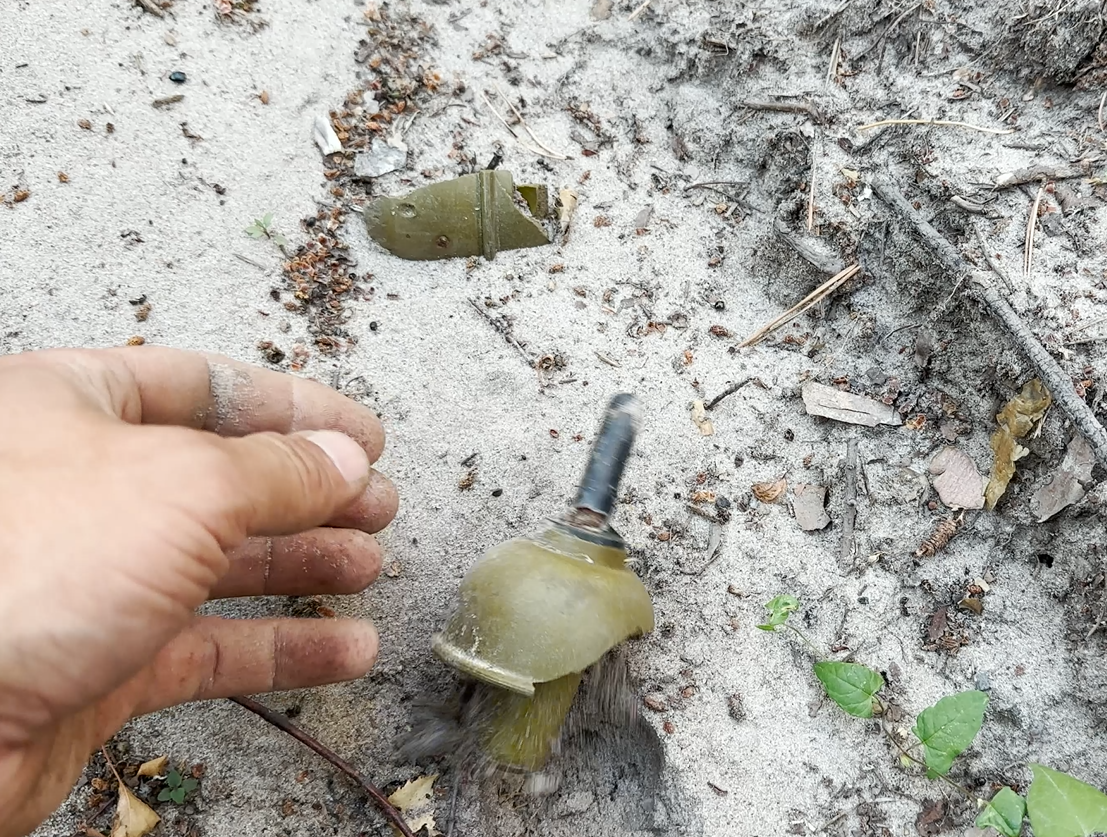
<point x="490" y="416"/>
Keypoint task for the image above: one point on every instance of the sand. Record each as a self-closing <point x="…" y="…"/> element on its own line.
<point x="746" y="744"/>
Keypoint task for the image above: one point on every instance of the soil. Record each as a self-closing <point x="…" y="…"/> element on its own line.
<point x="491" y="377"/>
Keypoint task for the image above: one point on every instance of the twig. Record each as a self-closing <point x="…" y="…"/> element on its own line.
<point x="1099" y="113"/>
<point x="282" y="723"/>
<point x="607" y="360"/>
<point x="811" y="182"/>
<point x="835" y="54"/>
<point x="248" y="260"/>
<point x="1033" y="173"/>
<point x="639" y="10"/>
<point x="714" y="185"/>
<point x="504" y="332"/>
<point x="784" y="107"/>
<point x="1031" y="227"/>
<point x="532" y="149"/>
<point x="705" y="514"/>
<point x="151" y="7"/>
<point x="849" y="503"/>
<point x="730" y="390"/>
<point x="945" y="123"/>
<point x="825" y="289"/>
<point x="992" y="263"/>
<point x="813" y="250"/>
<point x="888" y="31"/>
<point x="1057" y="382"/>
<point x="557" y="155"/>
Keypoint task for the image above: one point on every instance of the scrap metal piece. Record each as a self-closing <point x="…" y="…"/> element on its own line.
<point x="474" y="215"/>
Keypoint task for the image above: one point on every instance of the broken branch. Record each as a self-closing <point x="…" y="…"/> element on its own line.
<point x="1055" y="379"/>
<point x="945" y="123"/>
<point x="282" y="723"/>
<point x="828" y="287"/>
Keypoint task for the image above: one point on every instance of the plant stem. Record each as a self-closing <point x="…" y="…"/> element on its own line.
<point x="818" y="654"/>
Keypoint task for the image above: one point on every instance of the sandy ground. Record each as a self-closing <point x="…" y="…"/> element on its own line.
<point x="745" y="744"/>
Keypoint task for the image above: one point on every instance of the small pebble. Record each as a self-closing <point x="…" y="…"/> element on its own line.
<point x="721" y="502"/>
<point x="983" y="681"/>
<point x="177" y="77"/>
<point x="374" y="325"/>
<point x="497" y="492"/>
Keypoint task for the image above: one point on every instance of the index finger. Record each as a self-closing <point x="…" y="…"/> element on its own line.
<point x="212" y="392"/>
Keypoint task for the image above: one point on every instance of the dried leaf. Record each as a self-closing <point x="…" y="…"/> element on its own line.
<point x="1066" y="487"/>
<point x="958" y="483"/>
<point x="133" y="817"/>
<point x="415" y="802"/>
<point x="821" y="400"/>
<point x="1017" y="418"/>
<point x="931" y="819"/>
<point x="699" y="416"/>
<point x="154" y="767"/>
<point x="770" y="492"/>
<point x="809" y="504"/>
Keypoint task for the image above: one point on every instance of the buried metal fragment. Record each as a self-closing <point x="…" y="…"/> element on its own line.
<point x="474" y="215"/>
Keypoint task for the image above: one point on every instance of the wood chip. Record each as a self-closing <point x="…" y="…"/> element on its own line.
<point x="828" y="402"/>
<point x="809" y="504"/>
<point x="699" y="417"/>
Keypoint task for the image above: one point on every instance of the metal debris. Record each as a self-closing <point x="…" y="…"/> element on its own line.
<point x="473" y="215"/>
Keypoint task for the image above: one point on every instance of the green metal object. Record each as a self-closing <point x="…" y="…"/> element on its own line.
<point x="535" y="612"/>
<point x="474" y="215"/>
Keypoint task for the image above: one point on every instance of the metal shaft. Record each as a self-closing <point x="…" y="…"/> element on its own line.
<point x="599" y="486"/>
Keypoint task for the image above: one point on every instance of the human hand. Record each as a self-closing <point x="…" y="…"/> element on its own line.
<point x="135" y="484"/>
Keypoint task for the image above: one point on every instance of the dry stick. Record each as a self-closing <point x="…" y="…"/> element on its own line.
<point x="835" y="55"/>
<point x="1057" y="382"/>
<point x="282" y="723"/>
<point x="992" y="263"/>
<point x="1031" y="227"/>
<point x="884" y="35"/>
<point x="511" y="131"/>
<point x="817" y="295"/>
<point x="1033" y="173"/>
<point x="945" y="123"/>
<point x="784" y="107"/>
<point x="639" y="10"/>
<point x="151" y="7"/>
<point x="849" y="503"/>
<point x="730" y="390"/>
<point x="811" y="182"/>
<point x="1099" y="113"/>
<point x="555" y="154"/>
<point x="511" y="341"/>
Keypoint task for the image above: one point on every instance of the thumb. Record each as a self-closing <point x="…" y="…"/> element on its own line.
<point x="283" y="484"/>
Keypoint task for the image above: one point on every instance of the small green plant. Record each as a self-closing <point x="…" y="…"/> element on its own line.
<point x="263" y="228"/>
<point x="177" y="787"/>
<point x="1057" y="804"/>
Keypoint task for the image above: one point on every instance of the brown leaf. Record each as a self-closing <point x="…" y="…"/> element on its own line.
<point x="770" y="492"/>
<point x="958" y="483"/>
<point x="809" y="505"/>
<point x="154" y="767"/>
<point x="821" y="400"/>
<point x="133" y="817"/>
<point x="938" y="622"/>
<point x="931" y="819"/>
<point x="1017" y="418"/>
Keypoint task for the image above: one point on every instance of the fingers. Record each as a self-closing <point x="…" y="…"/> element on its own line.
<point x="269" y="484"/>
<point x="155" y="385"/>
<point x="217" y="657"/>
<point x="319" y="561"/>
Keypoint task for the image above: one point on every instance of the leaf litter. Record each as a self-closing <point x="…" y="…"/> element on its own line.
<point x="1067" y="484"/>
<point x="828" y="402"/>
<point x="415" y="800"/>
<point x="1016" y="420"/>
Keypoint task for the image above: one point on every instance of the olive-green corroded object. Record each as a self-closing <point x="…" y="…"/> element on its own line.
<point x="475" y="215"/>
<point x="534" y="612"/>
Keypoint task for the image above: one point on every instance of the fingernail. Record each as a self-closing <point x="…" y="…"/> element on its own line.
<point x="346" y="454"/>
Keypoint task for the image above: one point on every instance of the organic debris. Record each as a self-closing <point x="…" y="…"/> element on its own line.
<point x="699" y="417"/>
<point x="958" y="483"/>
<point x="770" y="492"/>
<point x="940" y="537"/>
<point x="382" y="158"/>
<point x="473" y="215"/>
<point x="816" y="296"/>
<point x="809" y="504"/>
<point x="133" y="817"/>
<point x="1016" y="420"/>
<point x="828" y="402"/>
<point x="154" y="767"/>
<point x="415" y="801"/>
<point x="1067" y="485"/>
<point x="566" y="206"/>
<point x="325" y="137"/>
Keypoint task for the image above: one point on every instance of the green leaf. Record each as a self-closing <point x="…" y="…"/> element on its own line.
<point x="266" y="220"/>
<point x="1061" y="806"/>
<point x="948" y="727"/>
<point x="255" y="231"/>
<point x="173" y="779"/>
<point x="164" y="795"/>
<point x="779" y="609"/>
<point x="178" y="796"/>
<point x="851" y="686"/>
<point x="1004" y="813"/>
<point x="190" y="785"/>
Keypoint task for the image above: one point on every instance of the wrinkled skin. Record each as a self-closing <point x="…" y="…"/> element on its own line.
<point x="136" y="484"/>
